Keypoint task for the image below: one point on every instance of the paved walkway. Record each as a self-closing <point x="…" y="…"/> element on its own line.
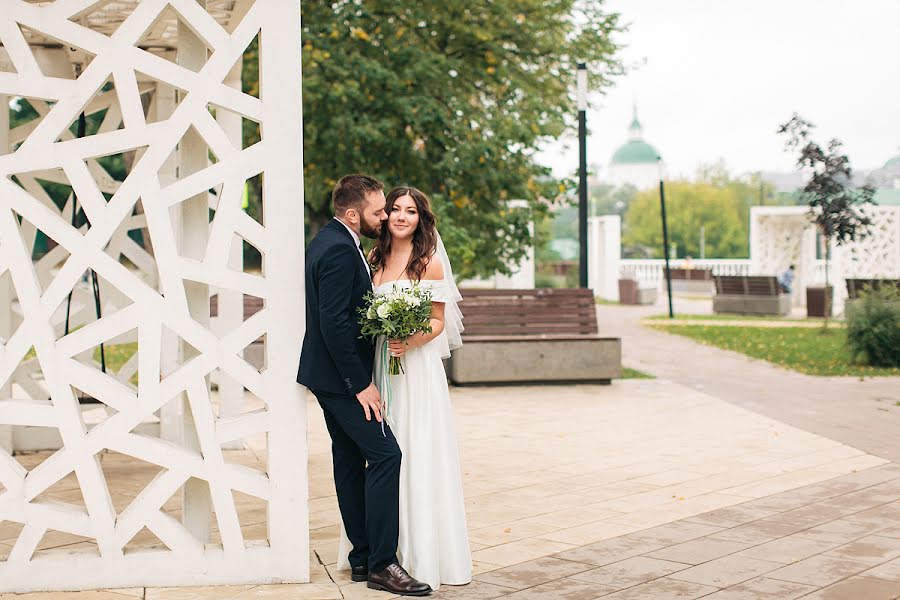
<point x="862" y="413"/>
<point x="549" y="469"/>
<point x="686" y="486"/>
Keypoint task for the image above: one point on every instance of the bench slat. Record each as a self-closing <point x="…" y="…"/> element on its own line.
<point x="747" y="285"/>
<point x="529" y="314"/>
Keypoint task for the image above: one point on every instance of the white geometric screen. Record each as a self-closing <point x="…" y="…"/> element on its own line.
<point x="877" y="255"/>
<point x="158" y="180"/>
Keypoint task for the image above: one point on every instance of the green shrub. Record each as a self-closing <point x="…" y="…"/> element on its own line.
<point x="873" y="327"/>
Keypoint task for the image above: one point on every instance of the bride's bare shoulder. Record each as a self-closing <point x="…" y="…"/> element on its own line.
<point x="434" y="270"/>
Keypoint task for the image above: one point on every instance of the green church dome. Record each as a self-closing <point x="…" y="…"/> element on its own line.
<point x="635" y="152"/>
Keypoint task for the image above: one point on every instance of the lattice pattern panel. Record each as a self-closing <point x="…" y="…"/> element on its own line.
<point x="779" y="242"/>
<point x="878" y="254"/>
<point x="157" y="118"/>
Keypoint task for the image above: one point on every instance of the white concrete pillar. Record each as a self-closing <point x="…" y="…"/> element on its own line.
<point x="193" y="156"/>
<point x="6" y="295"/>
<point x="164" y="102"/>
<point x="805" y="271"/>
<point x="283" y="215"/>
<point x="231" y="302"/>
<point x="604" y="255"/>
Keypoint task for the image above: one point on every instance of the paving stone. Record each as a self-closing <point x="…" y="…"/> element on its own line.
<point x="779" y="502"/>
<point x="873" y="549"/>
<point x="663" y="589"/>
<point x="675" y="533"/>
<point x="609" y="551"/>
<point x="726" y="571"/>
<point x="861" y="500"/>
<point x="763" y="588"/>
<point x="812" y="515"/>
<point x="820" y="570"/>
<point x="732" y="516"/>
<point x="858" y="588"/>
<point x="887" y="515"/>
<point x="841" y="530"/>
<point x="532" y="573"/>
<point x="520" y="551"/>
<point x="889" y="570"/>
<point x="893" y="532"/>
<point x="698" y="551"/>
<point x="590" y="533"/>
<point x="789" y="549"/>
<point x="562" y="589"/>
<point x="477" y="590"/>
<point x="757" y="532"/>
<point x="631" y="571"/>
<point x="503" y="533"/>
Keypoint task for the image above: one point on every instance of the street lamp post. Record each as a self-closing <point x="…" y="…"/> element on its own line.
<point x="665" y="228"/>
<point x="582" y="176"/>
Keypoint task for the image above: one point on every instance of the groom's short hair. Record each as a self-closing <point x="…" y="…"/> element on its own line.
<point x="350" y="192"/>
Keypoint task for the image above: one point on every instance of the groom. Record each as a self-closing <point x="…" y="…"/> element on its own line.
<point x="336" y="366"/>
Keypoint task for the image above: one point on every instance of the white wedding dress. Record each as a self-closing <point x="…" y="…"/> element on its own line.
<point x="434" y="542"/>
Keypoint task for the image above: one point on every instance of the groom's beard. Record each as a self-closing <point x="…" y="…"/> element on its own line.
<point x="370" y="232"/>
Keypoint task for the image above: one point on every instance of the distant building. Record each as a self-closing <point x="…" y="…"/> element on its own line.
<point x="887" y="182"/>
<point x="635" y="162"/>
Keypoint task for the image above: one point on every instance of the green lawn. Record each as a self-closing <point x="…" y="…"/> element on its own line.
<point x="629" y="373"/>
<point x="599" y="300"/>
<point x="802" y="349"/>
<point x="683" y="317"/>
<point x="116" y="356"/>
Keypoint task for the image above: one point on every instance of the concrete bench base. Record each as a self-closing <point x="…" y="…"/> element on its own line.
<point x="752" y="305"/>
<point x="693" y="286"/>
<point x="534" y="359"/>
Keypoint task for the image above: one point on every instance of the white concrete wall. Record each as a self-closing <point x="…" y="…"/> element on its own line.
<point x="604" y="255"/>
<point x="190" y="256"/>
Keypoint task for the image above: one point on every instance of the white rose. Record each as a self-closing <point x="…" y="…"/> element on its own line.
<point x="384" y="311"/>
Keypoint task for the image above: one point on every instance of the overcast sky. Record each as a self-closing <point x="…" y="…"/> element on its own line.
<point x="720" y="77"/>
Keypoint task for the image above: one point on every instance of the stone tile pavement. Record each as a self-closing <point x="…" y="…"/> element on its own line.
<point x="642" y="489"/>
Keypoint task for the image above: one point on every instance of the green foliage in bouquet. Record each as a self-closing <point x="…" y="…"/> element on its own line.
<point x="873" y="327"/>
<point x="396" y="315"/>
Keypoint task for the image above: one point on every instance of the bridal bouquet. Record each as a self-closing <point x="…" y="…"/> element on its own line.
<point x="396" y="315"/>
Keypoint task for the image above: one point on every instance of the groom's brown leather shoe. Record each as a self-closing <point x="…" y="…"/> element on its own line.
<point x="396" y="580"/>
<point x="359" y="574"/>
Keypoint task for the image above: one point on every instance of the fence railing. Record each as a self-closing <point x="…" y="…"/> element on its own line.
<point x="652" y="269"/>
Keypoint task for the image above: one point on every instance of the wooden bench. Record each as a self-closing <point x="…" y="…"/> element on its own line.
<point x="698" y="281"/>
<point x="855" y="286"/>
<point x="750" y="295"/>
<point x="532" y="335"/>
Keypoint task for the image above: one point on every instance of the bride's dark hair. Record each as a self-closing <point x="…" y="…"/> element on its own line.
<point x="424" y="237"/>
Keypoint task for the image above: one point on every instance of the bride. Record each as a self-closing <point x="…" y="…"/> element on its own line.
<point x="433" y="544"/>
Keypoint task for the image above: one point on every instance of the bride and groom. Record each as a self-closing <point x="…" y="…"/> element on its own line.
<point x="398" y="483"/>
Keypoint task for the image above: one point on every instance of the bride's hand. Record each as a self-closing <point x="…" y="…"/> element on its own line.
<point x="398" y="347"/>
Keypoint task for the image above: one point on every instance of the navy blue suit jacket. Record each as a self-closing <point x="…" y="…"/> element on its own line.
<point x="334" y="358"/>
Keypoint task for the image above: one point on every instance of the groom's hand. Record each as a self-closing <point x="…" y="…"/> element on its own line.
<point x="371" y="402"/>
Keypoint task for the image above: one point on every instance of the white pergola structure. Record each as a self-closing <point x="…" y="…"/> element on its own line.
<point x="782" y="236"/>
<point x="165" y="76"/>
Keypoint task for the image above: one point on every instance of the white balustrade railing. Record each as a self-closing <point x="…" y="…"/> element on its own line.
<point x="652" y="269"/>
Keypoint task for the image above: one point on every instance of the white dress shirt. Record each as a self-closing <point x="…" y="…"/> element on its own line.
<point x="358" y="246"/>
